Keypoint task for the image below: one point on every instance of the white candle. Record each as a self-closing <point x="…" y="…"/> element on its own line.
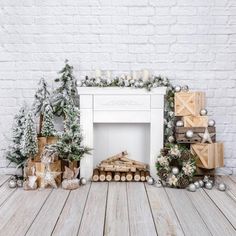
<point x="108" y="74"/>
<point x="134" y="75"/>
<point x="145" y="74"/>
<point x="98" y="73"/>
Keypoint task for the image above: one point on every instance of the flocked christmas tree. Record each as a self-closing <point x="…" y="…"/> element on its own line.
<point x="30" y="142"/>
<point x="66" y="92"/>
<point x="15" y="154"/>
<point x="70" y="146"/>
<point x="48" y="126"/>
<point x="41" y="95"/>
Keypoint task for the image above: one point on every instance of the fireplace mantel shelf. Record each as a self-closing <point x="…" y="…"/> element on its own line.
<point x="121" y="105"/>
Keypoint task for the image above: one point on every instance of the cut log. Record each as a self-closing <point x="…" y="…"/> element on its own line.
<point x="137" y="176"/>
<point x="117" y="176"/>
<point x="108" y="176"/>
<point x="102" y="176"/>
<point x="95" y="175"/>
<point x="115" y="157"/>
<point x="129" y="176"/>
<point x="142" y="176"/>
<point x="147" y="175"/>
<point x="123" y="177"/>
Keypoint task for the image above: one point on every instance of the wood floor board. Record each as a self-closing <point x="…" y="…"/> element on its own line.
<point x="226" y="202"/>
<point x="5" y="193"/>
<point x="164" y="216"/>
<point x="189" y="218"/>
<point x="47" y="217"/>
<point x="18" y="213"/>
<point x="3" y="179"/>
<point x="71" y="215"/>
<point x="212" y="216"/>
<point x="117" y="218"/>
<point x="140" y="215"/>
<point x="94" y="213"/>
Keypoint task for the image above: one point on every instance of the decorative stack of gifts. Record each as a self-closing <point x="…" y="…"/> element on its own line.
<point x="193" y="127"/>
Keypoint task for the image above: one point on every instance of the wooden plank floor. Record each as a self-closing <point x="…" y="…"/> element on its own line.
<point x="134" y="209"/>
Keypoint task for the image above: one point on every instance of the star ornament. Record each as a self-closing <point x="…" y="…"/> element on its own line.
<point x="206" y="136"/>
<point x="48" y="178"/>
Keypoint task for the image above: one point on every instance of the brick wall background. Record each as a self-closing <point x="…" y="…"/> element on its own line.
<point x="191" y="42"/>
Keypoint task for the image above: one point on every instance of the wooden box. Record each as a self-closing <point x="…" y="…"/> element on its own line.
<point x="180" y="134"/>
<point x="209" y="156"/>
<point x="55" y="166"/>
<point x="195" y="121"/>
<point x="52" y="140"/>
<point x="42" y="141"/>
<point x="189" y="103"/>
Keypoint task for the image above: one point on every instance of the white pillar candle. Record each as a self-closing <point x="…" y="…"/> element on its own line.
<point x="134" y="75"/>
<point x="98" y="73"/>
<point x="145" y="74"/>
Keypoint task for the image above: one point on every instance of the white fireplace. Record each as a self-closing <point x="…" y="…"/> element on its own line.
<point x="117" y="119"/>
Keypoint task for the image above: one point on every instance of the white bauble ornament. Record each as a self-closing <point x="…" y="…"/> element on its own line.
<point x="83" y="181"/>
<point x="222" y="186"/>
<point x="211" y="123"/>
<point x="189" y="134"/>
<point x="192" y="188"/>
<point x="197" y="184"/>
<point x="175" y="170"/>
<point x="12" y="183"/>
<point x="185" y="88"/>
<point x="177" y="88"/>
<point x="179" y="123"/>
<point x="208" y="185"/>
<point x="201" y="183"/>
<point x="203" y="112"/>
<point x="150" y="181"/>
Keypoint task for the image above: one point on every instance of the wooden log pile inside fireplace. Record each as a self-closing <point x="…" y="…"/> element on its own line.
<point x="121" y="168"/>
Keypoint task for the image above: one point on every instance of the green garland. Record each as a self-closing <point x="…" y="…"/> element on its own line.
<point x="152" y="82"/>
<point x="176" y="166"/>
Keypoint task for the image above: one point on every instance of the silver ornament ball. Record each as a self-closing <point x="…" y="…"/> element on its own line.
<point x="192" y="188"/>
<point x="189" y="134"/>
<point x="179" y="123"/>
<point x="12" y="183"/>
<point x="222" y="187"/>
<point x="201" y="183"/>
<point x="19" y="183"/>
<point x="203" y="112"/>
<point x="177" y="88"/>
<point x="150" y="181"/>
<point x="197" y="185"/>
<point x="185" y="88"/>
<point x="83" y="181"/>
<point x="211" y="123"/>
<point x="175" y="170"/>
<point x="208" y="185"/>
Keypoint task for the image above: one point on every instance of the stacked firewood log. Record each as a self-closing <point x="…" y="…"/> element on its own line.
<point x="121" y="168"/>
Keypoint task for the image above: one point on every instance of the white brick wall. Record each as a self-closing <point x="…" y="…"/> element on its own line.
<point x="191" y="42"/>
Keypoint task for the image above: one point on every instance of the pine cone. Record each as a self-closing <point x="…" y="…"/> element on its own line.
<point x="183" y="182"/>
<point x="164" y="151"/>
<point x="186" y="155"/>
<point x="163" y="173"/>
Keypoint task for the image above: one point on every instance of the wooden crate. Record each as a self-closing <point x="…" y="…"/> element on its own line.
<point x="181" y="137"/>
<point x="209" y="156"/>
<point x="42" y="141"/>
<point x="52" y="140"/>
<point x="55" y="166"/>
<point x="195" y="121"/>
<point x="189" y="103"/>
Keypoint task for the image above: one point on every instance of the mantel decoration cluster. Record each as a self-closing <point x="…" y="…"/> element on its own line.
<point x="63" y="101"/>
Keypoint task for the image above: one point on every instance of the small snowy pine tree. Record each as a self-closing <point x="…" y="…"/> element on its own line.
<point x="70" y="146"/>
<point x="15" y="154"/>
<point x="30" y="142"/>
<point x="66" y="93"/>
<point x="40" y="96"/>
<point x="48" y="126"/>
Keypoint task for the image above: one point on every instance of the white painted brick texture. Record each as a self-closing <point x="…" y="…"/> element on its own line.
<point x="191" y="42"/>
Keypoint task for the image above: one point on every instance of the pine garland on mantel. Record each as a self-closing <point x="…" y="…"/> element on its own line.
<point x="151" y="82"/>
